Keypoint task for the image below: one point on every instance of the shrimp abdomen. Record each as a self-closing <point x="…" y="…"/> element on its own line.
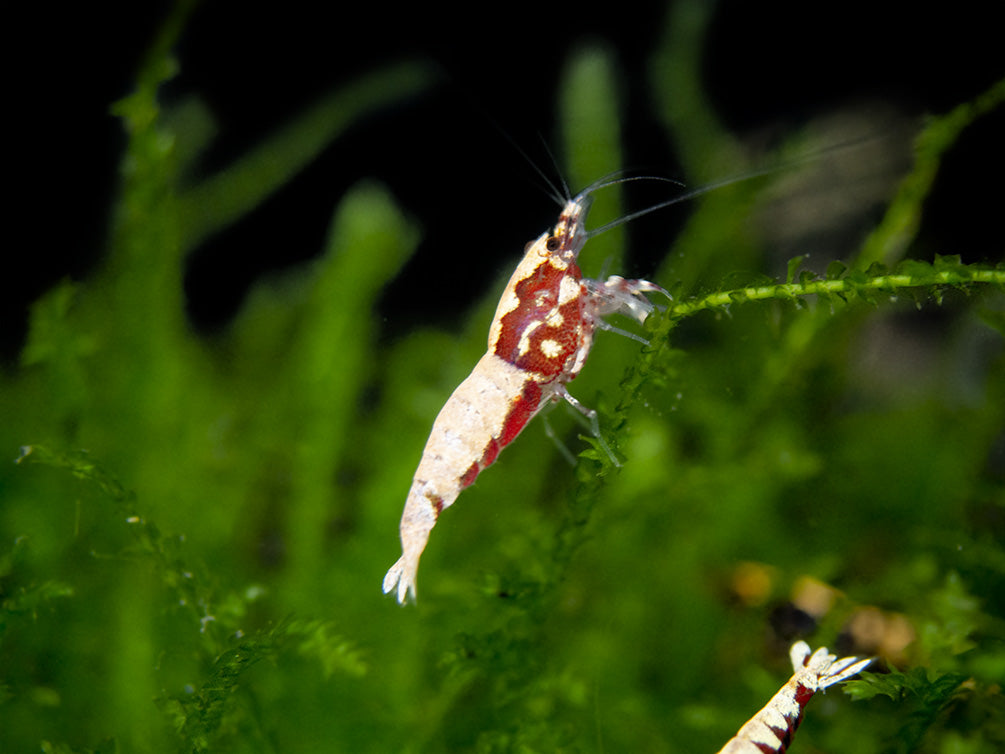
<point x="484" y="414"/>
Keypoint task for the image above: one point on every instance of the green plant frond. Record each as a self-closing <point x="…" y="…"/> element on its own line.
<point x="890" y="240"/>
<point x="843" y="284"/>
<point x="199" y="715"/>
<point x="167" y="555"/>
<point x="80" y="464"/>
<point x="28" y="600"/>
<point x="316" y="640"/>
<point x="933" y="692"/>
<point x="928" y="694"/>
<point x="220" y="200"/>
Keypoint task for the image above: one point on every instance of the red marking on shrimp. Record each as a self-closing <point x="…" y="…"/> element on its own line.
<point x="539" y="339"/>
<point x="803" y="695"/>
<point x="540" y="317"/>
<point x="770" y="731"/>
<point x="489" y="457"/>
<point x="469" y="476"/>
<point x="521" y="411"/>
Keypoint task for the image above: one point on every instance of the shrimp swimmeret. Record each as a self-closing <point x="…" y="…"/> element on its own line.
<point x="539" y="339"/>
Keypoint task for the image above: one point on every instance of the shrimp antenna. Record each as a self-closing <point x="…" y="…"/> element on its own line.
<point x="550" y="188"/>
<point x="709" y="187"/>
<point x="676" y="200"/>
<point x="564" y="196"/>
<point x="557" y="195"/>
<point x="610" y="180"/>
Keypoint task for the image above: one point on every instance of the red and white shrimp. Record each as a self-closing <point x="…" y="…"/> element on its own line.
<point x="770" y="731"/>
<point x="539" y="339"/>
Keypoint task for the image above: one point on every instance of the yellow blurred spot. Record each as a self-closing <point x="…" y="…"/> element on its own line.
<point x="886" y="634"/>
<point x="813" y="597"/>
<point x="751" y="583"/>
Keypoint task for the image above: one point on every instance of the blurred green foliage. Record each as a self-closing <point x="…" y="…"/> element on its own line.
<point x="206" y="574"/>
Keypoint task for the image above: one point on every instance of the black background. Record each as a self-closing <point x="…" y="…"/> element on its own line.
<point x="769" y="65"/>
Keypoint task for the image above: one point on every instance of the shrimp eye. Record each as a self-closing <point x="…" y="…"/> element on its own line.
<point x="553" y="243"/>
